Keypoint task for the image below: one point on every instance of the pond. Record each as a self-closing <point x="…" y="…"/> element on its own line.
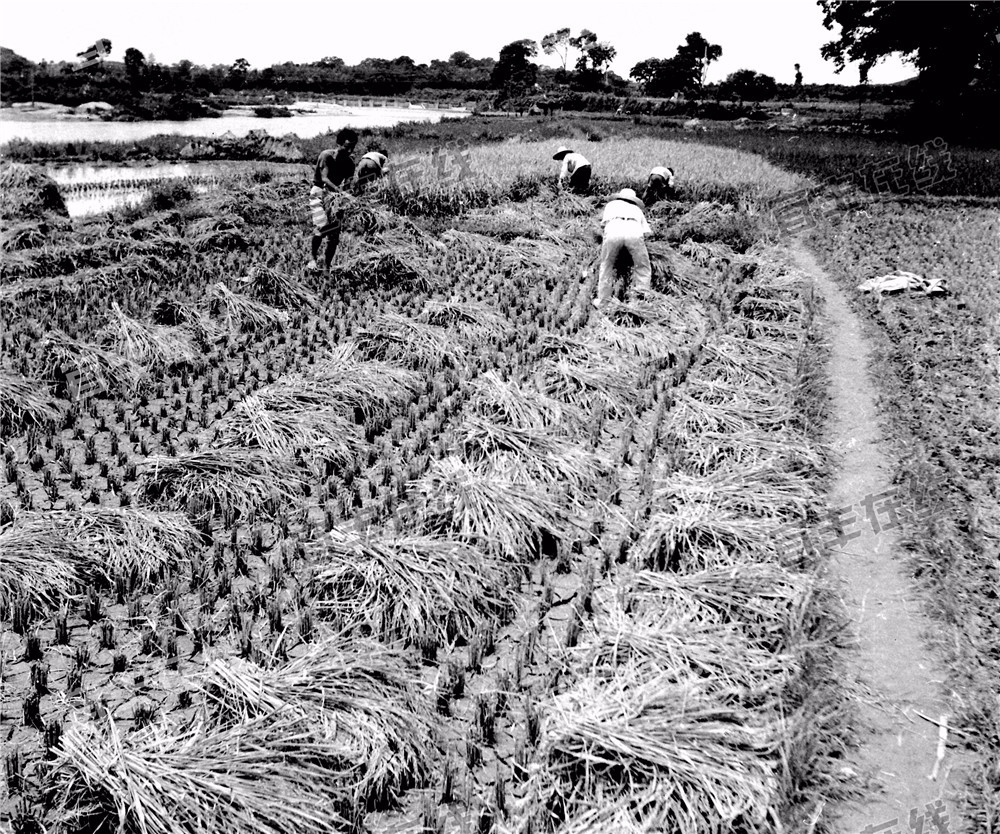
<point x="239" y="122"/>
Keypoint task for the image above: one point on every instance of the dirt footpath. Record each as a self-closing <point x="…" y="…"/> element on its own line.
<point x="901" y="690"/>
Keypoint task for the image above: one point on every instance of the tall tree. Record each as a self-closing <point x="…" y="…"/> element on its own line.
<point x="696" y="54"/>
<point x="238" y="73"/>
<point x="135" y="68"/>
<point x="558" y="43"/>
<point x="514" y="74"/>
<point x="951" y="44"/>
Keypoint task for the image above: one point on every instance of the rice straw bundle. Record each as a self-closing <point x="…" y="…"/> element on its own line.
<point x="227" y="232"/>
<point x="395" y="338"/>
<point x="761" y="491"/>
<point x="471" y="319"/>
<point x="486" y="508"/>
<point x="412" y="587"/>
<point x="23" y="402"/>
<point x="538" y="255"/>
<point x="241" y="313"/>
<point x="673" y="755"/>
<point x="93" y="367"/>
<point x="691" y="536"/>
<point x="726" y="408"/>
<point x="591" y="382"/>
<point x="41" y="566"/>
<point x="508" y="402"/>
<point x="347" y="379"/>
<point x="150" y="346"/>
<point x="683" y="645"/>
<point x="767" y="601"/>
<point x="117" y="542"/>
<point x="277" y="289"/>
<point x="318" y="435"/>
<point x="785" y="450"/>
<point x="544" y="456"/>
<point x="259" y="777"/>
<point x="357" y="696"/>
<point x="392" y="266"/>
<point x="214" y="480"/>
<point x="766" y="363"/>
<point x="708" y="253"/>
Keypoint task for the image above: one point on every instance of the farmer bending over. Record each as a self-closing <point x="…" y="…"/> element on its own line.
<point x="370" y="168"/>
<point x="624" y="225"/>
<point x="575" y="173"/>
<point x="327" y="198"/>
<point x="660" y="185"/>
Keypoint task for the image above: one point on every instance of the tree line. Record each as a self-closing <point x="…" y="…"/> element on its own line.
<point x="954" y="46"/>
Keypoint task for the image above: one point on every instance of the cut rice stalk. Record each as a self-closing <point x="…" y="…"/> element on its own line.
<point x="277" y="289"/>
<point x="40" y="566"/>
<point x="151" y="346"/>
<point x="411" y="588"/>
<point x="23" y="402"/>
<point x="362" y="697"/>
<point x="518" y="405"/>
<point x="259" y="777"/>
<point x="395" y="338"/>
<point x="122" y="542"/>
<point x="487" y="508"/>
<point x="239" y="312"/>
<point x="470" y="318"/>
<point x="607" y="744"/>
<point x="245" y="481"/>
<point x="344" y="378"/>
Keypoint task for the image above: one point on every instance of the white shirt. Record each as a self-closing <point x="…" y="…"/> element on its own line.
<point x="623" y="210"/>
<point x="571" y="162"/>
<point x="666" y="173"/>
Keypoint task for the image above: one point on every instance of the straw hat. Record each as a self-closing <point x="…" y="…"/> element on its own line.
<point x="559" y="154"/>
<point x="629" y="196"/>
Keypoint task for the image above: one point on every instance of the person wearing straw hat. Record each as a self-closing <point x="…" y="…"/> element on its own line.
<point x="624" y="226"/>
<point x="370" y="167"/>
<point x="659" y="186"/>
<point x="328" y="195"/>
<point x="575" y="173"/>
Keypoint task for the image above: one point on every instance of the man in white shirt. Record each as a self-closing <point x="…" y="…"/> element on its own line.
<point x="575" y="173"/>
<point x="370" y="168"/>
<point x="624" y="226"/>
<point x="660" y="185"/>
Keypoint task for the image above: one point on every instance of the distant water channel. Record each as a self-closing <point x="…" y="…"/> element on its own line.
<point x="240" y="122"/>
<point x="92" y="189"/>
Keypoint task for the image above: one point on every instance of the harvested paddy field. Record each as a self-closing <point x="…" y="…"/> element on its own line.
<point x="427" y="544"/>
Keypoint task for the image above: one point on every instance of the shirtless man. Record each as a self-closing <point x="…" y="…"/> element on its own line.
<point x="327" y="197"/>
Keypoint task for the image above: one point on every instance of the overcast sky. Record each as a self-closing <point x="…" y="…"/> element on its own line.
<point x="768" y="36"/>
